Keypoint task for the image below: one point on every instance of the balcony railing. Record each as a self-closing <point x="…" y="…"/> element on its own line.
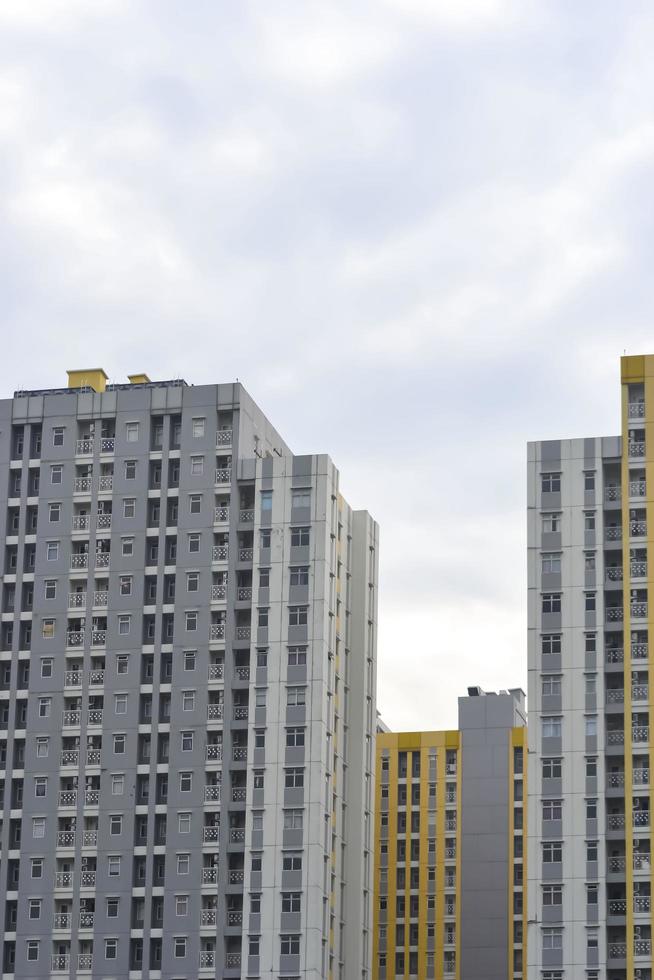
<point x="68" y="797"/>
<point x="60" y="962"/>
<point x="86" y="920"/>
<point x="215" y="712"/>
<point x="218" y="593"/>
<point x="90" y="838"/>
<point x="614" y="573"/>
<point x="640" y="818"/>
<point x="217" y="631"/>
<point x="98" y="638"/>
<point x="84" y="447"/>
<point x="237" y="835"/>
<point x="63" y="879"/>
<point x="615" y="737"/>
<point x="82" y="484"/>
<point x="234" y="917"/>
<point x="77" y="600"/>
<point x="220" y="552"/>
<point x="210" y="834"/>
<point x="79" y="561"/>
<point x="107" y="444"/>
<point x="70" y="757"/>
<point x="617" y="906"/>
<point x="242" y="673"/>
<point x="88" y="879"/>
<point x="73" y="678"/>
<point x="207" y="959"/>
<point x="614" y="696"/>
<point x="613" y="532"/>
<point x="642" y="947"/>
<point x="240" y="712"/>
<point x="102" y="559"/>
<point x="642" y="862"/>
<point x="101" y="597"/>
<point x="220" y="515"/>
<point x="209" y="876"/>
<point x="244" y="594"/>
<point x="85" y="961"/>
<point x="65" y="838"/>
<point x="93" y="757"/>
<point x="636" y="450"/>
<point x="92" y="797"/>
<point x="207" y="917"/>
<point x="103" y="521"/>
<point x="106" y="484"/>
<point x="72" y="717"/>
<point x="614" y="655"/>
<point x="642" y="904"/>
<point x="640" y="692"/>
<point x="212" y="794"/>
<point x="637" y="410"/>
<point x="243" y="632"/>
<point x="239" y="753"/>
<point x="96" y="677"/>
<point x="639" y="610"/>
<point x="239" y="794"/>
<point x="639" y="651"/>
<point x="640" y="776"/>
<point x="638" y="568"/>
<point x="617" y="951"/>
<point x="81" y="522"/>
<point x="245" y="554"/>
<point x="224" y="437"/>
<point x="637" y="488"/>
<point x="62" y="920"/>
<point x="614" y="614"/>
<point x="612" y="493"/>
<point x="233" y="961"/>
<point x="95" y="716"/>
<point x="246" y="516"/>
<point x="75" y="638"/>
<point x="640" y="733"/>
<point x="216" y="672"/>
<point x="617" y="865"/>
<point x="214" y="752"/>
<point x="224" y="475"/>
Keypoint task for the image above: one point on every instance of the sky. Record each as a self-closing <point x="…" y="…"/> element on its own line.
<point x="418" y="231"/>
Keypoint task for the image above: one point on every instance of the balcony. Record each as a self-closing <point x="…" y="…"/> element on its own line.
<point x="614" y="655"/>
<point x="613" y="532"/>
<point x="217" y="631"/>
<point x="214" y="752"/>
<point x="614" y="614"/>
<point x="68" y="797"/>
<point x="239" y="753"/>
<point x="638" y="569"/>
<point x="237" y="835"/>
<point x="84" y="447"/>
<point x="638" y="610"/>
<point x="96" y="677"/>
<point x="208" y="917"/>
<point x="642" y="904"/>
<point x="79" y="561"/>
<point x="88" y="879"/>
<point x="101" y="598"/>
<point x="612" y="493"/>
<point x="95" y="716"/>
<point x="212" y="794"/>
<point x="617" y="865"/>
<point x="239" y="794"/>
<point x="236" y="877"/>
<point x="640" y="776"/>
<point x="73" y="678"/>
<point x="106" y="484"/>
<point x="614" y="573"/>
<point x="224" y="475"/>
<point x="243" y="632"/>
<point x="640" y="692"/>
<point x="107" y="444"/>
<point x="72" y="717"/>
<point x="617" y="951"/>
<point x="81" y="522"/>
<point x="234" y="917"/>
<point x="210" y="834"/>
<point x="615" y="737"/>
<point x="63" y="879"/>
<point x="242" y="673"/>
<point x="637" y="488"/>
<point x="246" y="554"/>
<point x="642" y="947"/>
<point x="224" y="437"/>
<point x="221" y="515"/>
<point x="614" y="695"/>
<point x="92" y="797"/>
<point x="207" y="959"/>
<point x="246" y="516"/>
<point x="90" y="838"/>
<point x="60" y="962"/>
<point x="220" y="552"/>
<point x="69" y="757"/>
<point x="640" y="733"/>
<point x="639" y="651"/>
<point x="209" y="876"/>
<point x="103" y="521"/>
<point x="77" y="600"/>
<point x="636" y="450"/>
<point x="240" y="712"/>
<point x="75" y="638"/>
<point x="244" y="594"/>
<point x="215" y="712"/>
<point x="233" y="961"/>
<point x="85" y="961"/>
<point x="93" y="757"/>
<point x="642" y="862"/>
<point x="98" y="638"/>
<point x="640" y="819"/>
<point x="86" y="920"/>
<point x="218" y="593"/>
<point x="62" y="920"/>
<point x="65" y="838"/>
<point x="82" y="484"/>
<point x="636" y="410"/>
<point x="216" y="672"/>
<point x="102" y="559"/>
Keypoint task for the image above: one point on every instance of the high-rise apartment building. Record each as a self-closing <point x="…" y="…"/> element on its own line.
<point x="187" y="691"/>
<point x="449" y="846"/>
<point x="590" y="751"/>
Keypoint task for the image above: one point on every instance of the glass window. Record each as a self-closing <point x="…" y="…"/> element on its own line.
<point x="130" y="469"/>
<point x="54" y="513"/>
<point x="129" y="507"/>
<point x="198" y="428"/>
<point x="131" y="431"/>
<point x="58" y="435"/>
<point x="197" y="465"/>
<point x="50" y="588"/>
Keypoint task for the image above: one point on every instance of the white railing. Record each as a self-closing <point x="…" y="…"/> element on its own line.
<point x="220" y="515"/>
<point x="236" y="877"/>
<point x="234" y="917"/>
<point x="638" y="528"/>
<point x="239" y="753"/>
<point x="637" y="449"/>
<point x="640" y="692"/>
<point x="640" y="818"/>
<point x="214" y="752"/>
<point x="242" y="673"/>
<point x="224" y="475"/>
<point x="215" y="712"/>
<point x="639" y="610"/>
<point x="637" y="410"/>
<point x="61" y="920"/>
<point x="65" y="838"/>
<point x="102" y="559"/>
<point x="239" y="794"/>
<point x="73" y="678"/>
<point x="90" y="838"/>
<point x="233" y="961"/>
<point x="209" y="876"/>
<point x="218" y="592"/>
<point x="81" y="522"/>
<point x="103" y="520"/>
<point x="88" y="879"/>
<point x="616" y="779"/>
<point x="75" y="638"/>
<point x="216" y="672"/>
<point x="640" y="776"/>
<point x="637" y="488"/>
<point x="212" y="793"/>
<point x="60" y="962"/>
<point x="224" y="437"/>
<point x="208" y="917"/>
<point x="642" y="947"/>
<point x="220" y="552"/>
<point x="70" y="757"/>
<point x="72" y="717"/>
<point x="207" y="959"/>
<point x="217" y="631"/>
<point x="615" y="737"/>
<point x="617" y="951"/>
<point x="95" y="716"/>
<point x="642" y="904"/>
<point x="612" y="492"/>
<point x="92" y="797"/>
<point x="82" y="484"/>
<point x="86" y="920"/>
<point x="246" y="516"/>
<point x="96" y="677"/>
<point x="639" y="651"/>
<point x="98" y="638"/>
<point x="84" y="447"/>
<point x="63" y="879"/>
<point x="106" y="484"/>
<point x="614" y="614"/>
<point x="101" y="598"/>
<point x="617" y="865"/>
<point x="77" y="600"/>
<point x="107" y="444"/>
<point x="640" y="733"/>
<point x="210" y="833"/>
<point x="642" y="862"/>
<point x="93" y="757"/>
<point x="79" y="561"/>
<point x="85" y="961"/>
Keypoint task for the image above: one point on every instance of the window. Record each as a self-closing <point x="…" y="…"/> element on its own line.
<point x="552" y="809"/>
<point x="35" y="908"/>
<point x="591" y="684"/>
<point x="300" y="537"/>
<point x="589" y="601"/>
<point x="181" y="905"/>
<point x="260" y="697"/>
<point x="54" y="513"/>
<point x="32" y="950"/>
<point x="551" y="685"/>
<point x="185" y="782"/>
<point x="258" y="783"/>
<point x="262" y="658"/>
<point x="550" y="483"/>
<point x="293" y="778"/>
<point x="297" y="615"/>
<point x="292" y="862"/>
<point x="262" y="619"/>
<point x="552" y="939"/>
<point x="184" y="823"/>
<point x="259" y="738"/>
<point x="551" y="768"/>
<point x="131" y="431"/>
<point x="50" y="588"/>
<point x="290" y="945"/>
<point x="195" y="503"/>
<point x="38" y="828"/>
<point x="552" y="727"/>
<point x="42" y="747"/>
<point x="180" y="947"/>
<point x="130" y="469"/>
<point x="192" y="581"/>
<point x="56" y="473"/>
<point x="592" y="939"/>
<point x="115" y="824"/>
<point x="187" y="741"/>
<point x="113" y="905"/>
<point x="551" y="564"/>
<point x="122" y="663"/>
<point x="264" y="538"/>
<point x="591" y="767"/>
<point x="117" y="784"/>
<point x="293" y="819"/>
<point x="198" y="428"/>
<point x="300" y="576"/>
<point x="52" y="550"/>
<point x="589" y="520"/>
<point x="45" y="704"/>
<point x="591" y="809"/>
<point x="551" y="523"/>
<point x="127" y="546"/>
<point x="592" y="850"/>
<point x="300" y="498"/>
<point x="46" y="664"/>
<point x="183" y="864"/>
<point x="193" y="543"/>
<point x="110" y="949"/>
<point x="113" y="865"/>
<point x="129" y="507"/>
<point x="295" y="695"/>
<point x="41" y="786"/>
<point x="589" y="561"/>
<point x="551" y="602"/>
<point x="590" y="644"/>
<point x="552" y="852"/>
<point x="297" y="656"/>
<point x="266" y="500"/>
<point x="197" y="465"/>
<point x="36" y="866"/>
<point x="551" y="643"/>
<point x="189" y="660"/>
<point x="253" y="945"/>
<point x="119" y="744"/>
<point x="291" y="902"/>
<point x="191" y="621"/>
<point x="552" y="894"/>
<point x="188" y="700"/>
<point x="58" y="435"/>
<point x="295" y="737"/>
<point x="120" y="704"/>
<point x="590" y="723"/>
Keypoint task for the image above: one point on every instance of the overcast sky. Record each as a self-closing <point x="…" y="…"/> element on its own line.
<point x="419" y="231"/>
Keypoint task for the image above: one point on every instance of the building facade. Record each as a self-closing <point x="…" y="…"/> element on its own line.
<point x="589" y="699"/>
<point x="449" y="846"/>
<point x="187" y="691"/>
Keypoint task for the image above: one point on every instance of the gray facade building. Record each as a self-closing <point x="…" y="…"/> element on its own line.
<point x="187" y="691"/>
